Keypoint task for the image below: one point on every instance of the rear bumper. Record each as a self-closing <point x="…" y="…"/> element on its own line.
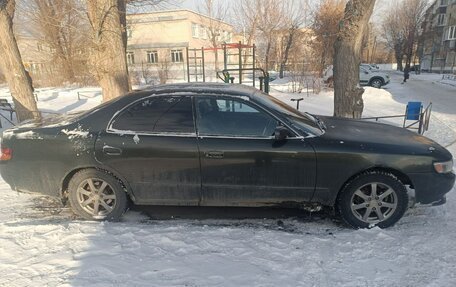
<point x="432" y="187"/>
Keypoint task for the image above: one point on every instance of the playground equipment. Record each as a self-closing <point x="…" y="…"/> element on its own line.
<point x="239" y="65"/>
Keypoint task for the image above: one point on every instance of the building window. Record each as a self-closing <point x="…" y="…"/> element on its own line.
<point x="195" y="30"/>
<point x="129" y="32"/>
<point x="177" y="56"/>
<point x="203" y="32"/>
<point x="441" y="20"/>
<point x="152" y="57"/>
<point x="443" y="2"/>
<point x="40" y="47"/>
<point x="451" y="33"/>
<point x="130" y="58"/>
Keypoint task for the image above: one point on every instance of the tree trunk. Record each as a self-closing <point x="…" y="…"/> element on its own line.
<point x="11" y="62"/>
<point x="399" y="58"/>
<point x="286" y="53"/>
<point x="108" y="59"/>
<point x="348" y="100"/>
<point x="266" y="58"/>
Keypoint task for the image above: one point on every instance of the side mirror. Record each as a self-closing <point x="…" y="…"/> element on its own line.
<point x="281" y="133"/>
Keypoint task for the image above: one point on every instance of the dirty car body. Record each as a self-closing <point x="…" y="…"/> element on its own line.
<point x="214" y="145"/>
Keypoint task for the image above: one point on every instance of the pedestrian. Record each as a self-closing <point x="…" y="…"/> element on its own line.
<point x="406" y="74"/>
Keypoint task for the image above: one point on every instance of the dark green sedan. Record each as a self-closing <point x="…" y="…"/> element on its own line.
<point x="223" y="145"/>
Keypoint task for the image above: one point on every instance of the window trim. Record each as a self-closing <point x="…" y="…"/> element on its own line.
<point x="154" y="54"/>
<point x="179" y="52"/>
<point x="130" y="57"/>
<point x="195" y="30"/>
<point x="111" y="130"/>
<point x="441" y="19"/>
<point x="450" y="37"/>
<point x="248" y="103"/>
<point x="195" y="134"/>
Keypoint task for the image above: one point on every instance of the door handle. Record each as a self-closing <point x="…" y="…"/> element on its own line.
<point x="110" y="150"/>
<point x="214" y="154"/>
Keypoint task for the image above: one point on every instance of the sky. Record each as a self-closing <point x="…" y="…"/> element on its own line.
<point x="380" y="8"/>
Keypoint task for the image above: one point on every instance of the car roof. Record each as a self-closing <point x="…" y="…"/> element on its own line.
<point x="199" y="88"/>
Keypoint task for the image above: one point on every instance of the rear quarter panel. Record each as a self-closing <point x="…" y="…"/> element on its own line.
<point x="42" y="157"/>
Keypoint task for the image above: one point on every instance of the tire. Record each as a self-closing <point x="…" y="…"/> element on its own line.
<point x="96" y="195"/>
<point x="376" y="83"/>
<point x="383" y="208"/>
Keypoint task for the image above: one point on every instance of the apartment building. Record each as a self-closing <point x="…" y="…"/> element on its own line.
<point x="157" y="41"/>
<point x="438" y="41"/>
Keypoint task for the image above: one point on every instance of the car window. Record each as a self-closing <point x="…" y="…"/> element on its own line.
<point x="228" y="117"/>
<point x="301" y="121"/>
<point x="158" y="115"/>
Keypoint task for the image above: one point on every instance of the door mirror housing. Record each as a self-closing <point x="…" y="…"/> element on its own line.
<point x="281" y="133"/>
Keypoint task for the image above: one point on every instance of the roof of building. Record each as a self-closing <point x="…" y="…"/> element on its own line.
<point x="178" y="10"/>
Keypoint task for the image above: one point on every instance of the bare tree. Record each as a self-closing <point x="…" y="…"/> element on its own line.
<point x="109" y="43"/>
<point x="217" y="12"/>
<point x="18" y="80"/>
<point x="413" y="16"/>
<point x="394" y="36"/>
<point x="348" y="100"/>
<point x="326" y="24"/>
<point x="270" y="22"/>
<point x="164" y="67"/>
<point x="247" y="21"/>
<point x="108" y="59"/>
<point x="295" y="15"/>
<point x="63" y="30"/>
<point x="401" y="29"/>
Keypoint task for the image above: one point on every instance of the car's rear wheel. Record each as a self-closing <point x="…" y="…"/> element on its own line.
<point x="96" y="195"/>
<point x="373" y="199"/>
<point x="376" y="83"/>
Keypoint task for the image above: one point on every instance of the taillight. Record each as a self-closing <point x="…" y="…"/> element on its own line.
<point x="6" y="153"/>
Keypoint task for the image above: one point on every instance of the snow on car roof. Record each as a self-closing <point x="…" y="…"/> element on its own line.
<point x="217" y="88"/>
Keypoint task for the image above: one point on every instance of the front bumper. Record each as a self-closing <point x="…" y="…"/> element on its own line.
<point x="432" y="187"/>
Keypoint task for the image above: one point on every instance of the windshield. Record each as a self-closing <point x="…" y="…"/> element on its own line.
<point x="302" y="121"/>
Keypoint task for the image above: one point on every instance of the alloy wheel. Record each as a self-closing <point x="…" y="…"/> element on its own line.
<point x="374" y="202"/>
<point x="96" y="197"/>
<point x="377" y="84"/>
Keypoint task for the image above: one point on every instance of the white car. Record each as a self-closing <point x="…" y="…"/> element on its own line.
<point x="367" y="77"/>
<point x="372" y="67"/>
<point x="373" y="78"/>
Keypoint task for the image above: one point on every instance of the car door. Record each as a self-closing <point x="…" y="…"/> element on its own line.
<point x="152" y="143"/>
<point x="242" y="164"/>
<point x="364" y="76"/>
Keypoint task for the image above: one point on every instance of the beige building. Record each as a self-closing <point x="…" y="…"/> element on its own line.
<point x="35" y="54"/>
<point x="438" y="41"/>
<point x="157" y="44"/>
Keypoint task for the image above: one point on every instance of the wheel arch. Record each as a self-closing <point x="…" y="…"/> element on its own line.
<point x="67" y="178"/>
<point x="377" y="78"/>
<point x="402" y="177"/>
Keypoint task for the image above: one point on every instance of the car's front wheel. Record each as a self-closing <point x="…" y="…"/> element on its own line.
<point x="376" y="83"/>
<point x="373" y="199"/>
<point x="96" y="195"/>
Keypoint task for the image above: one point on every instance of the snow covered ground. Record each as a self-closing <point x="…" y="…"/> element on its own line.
<point x="41" y="244"/>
